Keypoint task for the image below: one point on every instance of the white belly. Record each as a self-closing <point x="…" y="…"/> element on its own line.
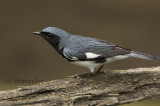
<point x="92" y="66"/>
<point x="115" y="58"/>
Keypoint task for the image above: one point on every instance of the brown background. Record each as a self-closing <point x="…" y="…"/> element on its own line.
<point x="133" y="24"/>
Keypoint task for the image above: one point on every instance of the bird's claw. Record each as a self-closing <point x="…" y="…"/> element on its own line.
<point x="82" y="75"/>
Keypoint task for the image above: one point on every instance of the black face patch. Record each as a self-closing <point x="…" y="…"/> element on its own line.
<point x="46" y="34"/>
<point x="52" y="39"/>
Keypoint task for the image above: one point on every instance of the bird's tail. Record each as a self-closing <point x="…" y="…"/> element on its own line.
<point x="143" y="56"/>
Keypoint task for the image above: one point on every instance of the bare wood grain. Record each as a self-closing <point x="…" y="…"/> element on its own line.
<point x="111" y="87"/>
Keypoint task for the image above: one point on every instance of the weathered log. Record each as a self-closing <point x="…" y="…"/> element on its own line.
<point x="106" y="88"/>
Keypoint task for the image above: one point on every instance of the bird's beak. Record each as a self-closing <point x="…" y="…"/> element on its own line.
<point x="37" y="33"/>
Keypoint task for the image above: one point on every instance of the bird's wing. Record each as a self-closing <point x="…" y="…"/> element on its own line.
<point x="95" y="51"/>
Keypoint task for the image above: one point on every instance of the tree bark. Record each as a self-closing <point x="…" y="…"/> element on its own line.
<point x="111" y="87"/>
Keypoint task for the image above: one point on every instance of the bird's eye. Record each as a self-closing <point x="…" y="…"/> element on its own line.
<point x="49" y="35"/>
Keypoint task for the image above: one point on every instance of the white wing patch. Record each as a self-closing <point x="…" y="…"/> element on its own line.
<point x="91" y="55"/>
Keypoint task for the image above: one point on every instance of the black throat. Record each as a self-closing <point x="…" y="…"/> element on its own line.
<point x="54" y="41"/>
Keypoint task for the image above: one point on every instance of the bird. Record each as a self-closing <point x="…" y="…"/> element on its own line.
<point x="92" y="53"/>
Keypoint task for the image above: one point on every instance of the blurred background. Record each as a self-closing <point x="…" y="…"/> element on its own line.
<point x="27" y="59"/>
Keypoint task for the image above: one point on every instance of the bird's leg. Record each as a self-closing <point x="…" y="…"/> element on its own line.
<point x="99" y="69"/>
<point x="86" y="74"/>
<point x="92" y="72"/>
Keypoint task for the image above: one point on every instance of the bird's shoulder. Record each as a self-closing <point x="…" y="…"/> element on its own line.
<point x="83" y="41"/>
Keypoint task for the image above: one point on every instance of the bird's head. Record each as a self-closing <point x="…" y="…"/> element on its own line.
<point x="53" y="35"/>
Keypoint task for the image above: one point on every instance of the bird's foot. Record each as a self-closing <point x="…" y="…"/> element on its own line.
<point x="81" y="75"/>
<point x="85" y="75"/>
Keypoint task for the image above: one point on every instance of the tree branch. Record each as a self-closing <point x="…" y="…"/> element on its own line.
<point x="107" y="88"/>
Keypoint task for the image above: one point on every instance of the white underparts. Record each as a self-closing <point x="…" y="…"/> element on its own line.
<point x="115" y="58"/>
<point x="93" y="66"/>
